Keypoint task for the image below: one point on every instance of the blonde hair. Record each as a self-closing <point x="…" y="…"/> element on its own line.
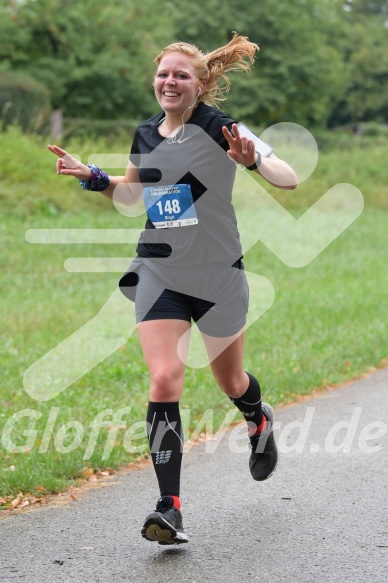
<point x="212" y="68"/>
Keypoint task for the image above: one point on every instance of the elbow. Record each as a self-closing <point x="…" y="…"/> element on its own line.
<point x="293" y="182"/>
<point x="286" y="181"/>
<point x="289" y="180"/>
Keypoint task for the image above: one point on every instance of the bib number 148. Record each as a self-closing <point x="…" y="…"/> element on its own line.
<point x="170" y="206"/>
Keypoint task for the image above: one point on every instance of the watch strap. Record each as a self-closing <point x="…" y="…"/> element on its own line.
<point x="256" y="163"/>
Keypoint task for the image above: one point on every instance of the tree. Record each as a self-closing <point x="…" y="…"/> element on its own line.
<point x="367" y="7"/>
<point x="320" y="62"/>
<point x="365" y="42"/>
<point x="95" y="57"/>
<point x="299" y="73"/>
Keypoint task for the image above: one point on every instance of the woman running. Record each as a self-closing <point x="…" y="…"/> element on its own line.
<point x="189" y="257"/>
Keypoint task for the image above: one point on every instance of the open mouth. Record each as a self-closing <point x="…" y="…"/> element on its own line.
<point x="170" y="94"/>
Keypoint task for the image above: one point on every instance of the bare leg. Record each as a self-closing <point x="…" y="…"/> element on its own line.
<point x="159" y="340"/>
<point x="242" y="388"/>
<point x="227" y="367"/>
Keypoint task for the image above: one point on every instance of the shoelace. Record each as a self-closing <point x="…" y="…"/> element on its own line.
<point x="164" y="504"/>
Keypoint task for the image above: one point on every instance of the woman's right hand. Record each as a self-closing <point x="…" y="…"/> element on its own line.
<point x="68" y="165"/>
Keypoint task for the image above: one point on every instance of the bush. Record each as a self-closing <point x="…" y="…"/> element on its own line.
<point x="351" y="136"/>
<point x="374" y="129"/>
<point x="112" y="131"/>
<point x="24" y="102"/>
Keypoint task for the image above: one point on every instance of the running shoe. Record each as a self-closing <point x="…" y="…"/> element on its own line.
<point x="165" y="524"/>
<point x="264" y="455"/>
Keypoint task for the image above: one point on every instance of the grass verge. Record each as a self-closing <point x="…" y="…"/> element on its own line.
<point x="326" y="324"/>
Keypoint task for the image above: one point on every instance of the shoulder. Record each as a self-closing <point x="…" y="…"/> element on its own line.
<point x="212" y="121"/>
<point x="145" y="137"/>
<point x="208" y="115"/>
<point x="149" y="123"/>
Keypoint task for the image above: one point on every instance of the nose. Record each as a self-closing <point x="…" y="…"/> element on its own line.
<point x="170" y="80"/>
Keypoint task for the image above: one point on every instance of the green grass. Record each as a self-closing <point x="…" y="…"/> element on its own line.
<point x="326" y="324"/>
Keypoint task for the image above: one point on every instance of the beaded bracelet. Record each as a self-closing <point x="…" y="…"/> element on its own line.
<point x="98" y="181"/>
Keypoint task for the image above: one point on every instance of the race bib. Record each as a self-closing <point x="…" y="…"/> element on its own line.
<point x="170" y="206"/>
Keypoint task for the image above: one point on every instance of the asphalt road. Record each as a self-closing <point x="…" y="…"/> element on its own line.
<point x="322" y="517"/>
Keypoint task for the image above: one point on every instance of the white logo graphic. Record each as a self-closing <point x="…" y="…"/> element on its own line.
<point x="295" y="242"/>
<point x="163" y="457"/>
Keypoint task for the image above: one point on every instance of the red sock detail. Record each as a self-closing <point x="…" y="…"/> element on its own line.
<point x="177" y="502"/>
<point x="260" y="428"/>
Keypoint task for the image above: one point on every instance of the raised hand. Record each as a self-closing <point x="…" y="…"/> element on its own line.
<point x="68" y="165"/>
<point x="242" y="150"/>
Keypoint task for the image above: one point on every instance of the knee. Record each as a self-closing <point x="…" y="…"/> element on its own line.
<point x="166" y="385"/>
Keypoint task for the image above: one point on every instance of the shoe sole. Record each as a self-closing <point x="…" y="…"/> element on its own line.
<point x="268" y="409"/>
<point x="269" y="475"/>
<point x="159" y="530"/>
<point x="269" y="413"/>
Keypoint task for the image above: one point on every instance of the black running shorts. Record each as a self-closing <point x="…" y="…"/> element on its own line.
<point x="215" y="297"/>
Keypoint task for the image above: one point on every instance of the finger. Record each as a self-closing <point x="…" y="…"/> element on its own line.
<point x="63" y="168"/>
<point x="236" y="133"/>
<point x="244" y="146"/>
<point x="250" y="146"/>
<point x="70" y="162"/>
<point x="57" y="150"/>
<point x="227" y="134"/>
<point x="67" y="172"/>
<point x="60" y="151"/>
<point x="59" y="165"/>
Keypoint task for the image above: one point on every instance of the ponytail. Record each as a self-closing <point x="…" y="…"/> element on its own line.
<point x="237" y="55"/>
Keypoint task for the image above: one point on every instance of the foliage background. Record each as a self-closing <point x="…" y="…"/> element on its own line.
<point x="321" y="62"/>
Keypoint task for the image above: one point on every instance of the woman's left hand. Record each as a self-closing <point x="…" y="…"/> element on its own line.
<point x="242" y="150"/>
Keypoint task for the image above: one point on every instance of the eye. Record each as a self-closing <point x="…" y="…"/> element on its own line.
<point x="182" y="76"/>
<point x="161" y="74"/>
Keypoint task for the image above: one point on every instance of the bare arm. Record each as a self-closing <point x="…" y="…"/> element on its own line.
<point x="276" y="171"/>
<point x="124" y="189"/>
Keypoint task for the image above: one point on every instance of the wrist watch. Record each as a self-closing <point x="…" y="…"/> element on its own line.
<point x="256" y="163"/>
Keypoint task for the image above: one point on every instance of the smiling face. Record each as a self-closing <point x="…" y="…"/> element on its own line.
<point x="176" y="83"/>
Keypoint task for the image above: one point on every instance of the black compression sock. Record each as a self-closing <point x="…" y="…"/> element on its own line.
<point x="165" y="436"/>
<point x="250" y="404"/>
